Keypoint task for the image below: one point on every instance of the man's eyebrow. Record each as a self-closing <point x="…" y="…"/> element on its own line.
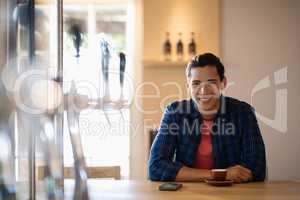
<point x="211" y="79"/>
<point x="196" y="81"/>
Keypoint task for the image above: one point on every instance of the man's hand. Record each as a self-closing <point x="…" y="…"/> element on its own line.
<point x="239" y="174"/>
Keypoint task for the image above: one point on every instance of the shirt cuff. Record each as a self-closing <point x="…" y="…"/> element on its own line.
<point x="171" y="173"/>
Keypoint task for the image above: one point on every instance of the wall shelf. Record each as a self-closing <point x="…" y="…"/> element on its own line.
<point x="161" y="63"/>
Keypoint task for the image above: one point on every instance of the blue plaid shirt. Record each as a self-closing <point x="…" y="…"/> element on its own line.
<point x="236" y="139"/>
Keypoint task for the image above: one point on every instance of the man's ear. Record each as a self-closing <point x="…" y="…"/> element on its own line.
<point x="224" y="83"/>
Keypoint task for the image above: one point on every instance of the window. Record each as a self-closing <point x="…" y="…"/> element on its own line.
<point x="105" y="135"/>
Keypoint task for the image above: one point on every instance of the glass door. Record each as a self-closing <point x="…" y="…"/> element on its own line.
<point x="32" y="82"/>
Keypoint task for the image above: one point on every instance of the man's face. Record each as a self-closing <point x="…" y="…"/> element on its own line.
<point x="205" y="85"/>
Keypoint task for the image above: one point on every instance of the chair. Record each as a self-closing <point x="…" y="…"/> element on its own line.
<point x="152" y="135"/>
<point x="92" y="172"/>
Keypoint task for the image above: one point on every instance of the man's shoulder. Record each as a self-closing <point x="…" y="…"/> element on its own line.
<point x="233" y="104"/>
<point x="181" y="102"/>
<point x="187" y="106"/>
<point x="181" y="106"/>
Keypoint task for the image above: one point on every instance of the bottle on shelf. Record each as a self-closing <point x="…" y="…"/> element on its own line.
<point x="167" y="48"/>
<point x="192" y="46"/>
<point x="179" y="48"/>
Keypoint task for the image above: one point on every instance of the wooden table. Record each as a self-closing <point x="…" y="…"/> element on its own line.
<point x="138" y="190"/>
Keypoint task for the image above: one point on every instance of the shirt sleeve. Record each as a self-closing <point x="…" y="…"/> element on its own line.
<point x="253" y="154"/>
<point x="161" y="166"/>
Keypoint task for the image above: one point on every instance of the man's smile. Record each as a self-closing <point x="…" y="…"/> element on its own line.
<point x="204" y="98"/>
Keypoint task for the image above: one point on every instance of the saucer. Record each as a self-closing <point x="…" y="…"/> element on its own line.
<point x="219" y="183"/>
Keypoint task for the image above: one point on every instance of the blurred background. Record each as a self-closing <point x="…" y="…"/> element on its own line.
<point x="258" y="42"/>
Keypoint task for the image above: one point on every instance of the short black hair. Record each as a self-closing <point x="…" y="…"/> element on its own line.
<point x="203" y="60"/>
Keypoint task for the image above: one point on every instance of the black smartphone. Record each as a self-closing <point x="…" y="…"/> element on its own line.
<point x="170" y="186"/>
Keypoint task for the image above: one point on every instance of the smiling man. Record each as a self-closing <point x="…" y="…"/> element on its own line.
<point x="208" y="131"/>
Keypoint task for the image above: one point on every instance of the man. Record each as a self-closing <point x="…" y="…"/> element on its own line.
<point x="208" y="131"/>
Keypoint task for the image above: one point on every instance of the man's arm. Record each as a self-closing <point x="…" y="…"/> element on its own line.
<point x="252" y="146"/>
<point x="192" y="174"/>
<point x="161" y="166"/>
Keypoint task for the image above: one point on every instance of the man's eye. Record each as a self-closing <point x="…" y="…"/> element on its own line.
<point x="195" y="83"/>
<point x="212" y="82"/>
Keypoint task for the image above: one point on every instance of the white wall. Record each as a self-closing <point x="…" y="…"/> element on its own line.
<point x="186" y="16"/>
<point x="259" y="37"/>
<point x="138" y="154"/>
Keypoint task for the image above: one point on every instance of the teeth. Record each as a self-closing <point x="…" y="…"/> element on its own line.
<point x="204" y="99"/>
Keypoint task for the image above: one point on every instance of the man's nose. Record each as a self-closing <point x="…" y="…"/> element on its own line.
<point x="204" y="89"/>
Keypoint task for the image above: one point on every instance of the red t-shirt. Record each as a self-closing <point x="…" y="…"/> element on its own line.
<point x="204" y="156"/>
